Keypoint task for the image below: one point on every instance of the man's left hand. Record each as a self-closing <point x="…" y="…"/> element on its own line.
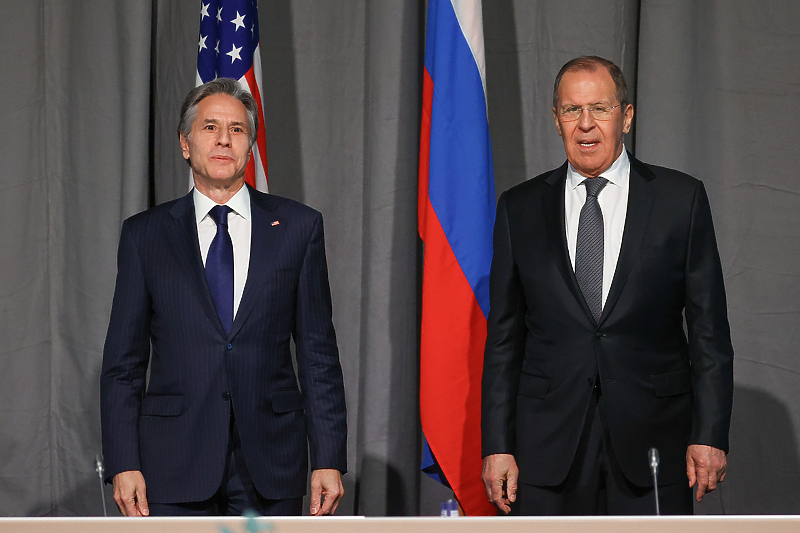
<point x="327" y="481"/>
<point x="705" y="466"/>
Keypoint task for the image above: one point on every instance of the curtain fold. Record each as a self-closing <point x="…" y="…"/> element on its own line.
<point x="722" y="86"/>
<point x="75" y="95"/>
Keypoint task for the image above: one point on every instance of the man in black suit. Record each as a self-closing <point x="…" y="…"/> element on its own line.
<point x="211" y="289"/>
<point x="608" y="332"/>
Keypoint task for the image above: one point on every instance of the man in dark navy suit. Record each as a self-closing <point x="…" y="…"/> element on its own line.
<point x="211" y="290"/>
<point x="608" y="332"/>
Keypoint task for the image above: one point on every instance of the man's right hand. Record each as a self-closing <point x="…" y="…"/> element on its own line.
<point x="130" y="493"/>
<point x="498" y="470"/>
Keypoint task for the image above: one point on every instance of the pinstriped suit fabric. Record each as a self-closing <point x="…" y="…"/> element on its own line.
<point x="177" y="431"/>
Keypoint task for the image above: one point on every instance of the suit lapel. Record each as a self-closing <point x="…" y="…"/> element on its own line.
<point x="182" y="235"/>
<point x="553" y="209"/>
<point x="267" y="232"/>
<point x="640" y="204"/>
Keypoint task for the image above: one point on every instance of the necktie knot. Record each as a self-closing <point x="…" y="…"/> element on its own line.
<point x="219" y="214"/>
<point x="594" y="185"/>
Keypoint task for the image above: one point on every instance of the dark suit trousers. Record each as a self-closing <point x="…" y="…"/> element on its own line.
<point x="236" y="493"/>
<point x="595" y="485"/>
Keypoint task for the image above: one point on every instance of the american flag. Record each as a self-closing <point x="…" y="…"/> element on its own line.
<point x="229" y="48"/>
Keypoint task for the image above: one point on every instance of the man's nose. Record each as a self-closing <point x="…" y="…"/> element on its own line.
<point x="224" y="137"/>
<point x="586" y="120"/>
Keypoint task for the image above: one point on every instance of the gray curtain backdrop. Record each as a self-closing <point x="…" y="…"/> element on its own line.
<point x="90" y="98"/>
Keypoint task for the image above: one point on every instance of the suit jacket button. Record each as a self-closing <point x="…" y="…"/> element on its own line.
<point x="599" y="335"/>
<point x="226" y="396"/>
<point x="229" y="346"/>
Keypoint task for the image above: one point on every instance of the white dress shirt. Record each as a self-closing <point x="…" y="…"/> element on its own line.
<point x="240" y="228"/>
<point x="613" y="200"/>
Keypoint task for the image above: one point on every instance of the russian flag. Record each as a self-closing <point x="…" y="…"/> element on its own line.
<point x="456" y="214"/>
<point x="229" y="47"/>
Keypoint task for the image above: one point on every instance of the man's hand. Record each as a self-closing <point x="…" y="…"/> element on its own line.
<point x="130" y="493"/>
<point x="327" y="481"/>
<point x="498" y="470"/>
<point x="705" y="465"/>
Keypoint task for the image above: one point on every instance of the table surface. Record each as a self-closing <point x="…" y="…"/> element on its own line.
<point x="349" y="524"/>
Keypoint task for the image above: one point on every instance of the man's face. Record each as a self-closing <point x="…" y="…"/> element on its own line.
<point x="219" y="144"/>
<point x="592" y="145"/>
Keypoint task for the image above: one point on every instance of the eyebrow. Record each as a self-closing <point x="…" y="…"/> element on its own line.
<point x="601" y="102"/>
<point x="215" y="121"/>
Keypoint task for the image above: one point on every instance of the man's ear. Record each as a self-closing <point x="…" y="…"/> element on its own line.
<point x="626" y="127"/>
<point x="184" y="146"/>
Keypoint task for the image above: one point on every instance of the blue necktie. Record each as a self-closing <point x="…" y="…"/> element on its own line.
<point x="219" y="267"/>
<point x="589" y="255"/>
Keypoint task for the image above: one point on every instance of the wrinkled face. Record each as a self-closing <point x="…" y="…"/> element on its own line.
<point x="592" y="145"/>
<point x="218" y="147"/>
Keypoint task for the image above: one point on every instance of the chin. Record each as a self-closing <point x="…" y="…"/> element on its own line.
<point x="590" y="169"/>
<point x="223" y="177"/>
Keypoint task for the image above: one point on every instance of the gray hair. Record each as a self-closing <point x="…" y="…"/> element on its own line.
<point x="591" y="63"/>
<point x="227" y="86"/>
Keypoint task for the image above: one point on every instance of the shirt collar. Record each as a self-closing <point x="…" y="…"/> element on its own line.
<point x="617" y="173"/>
<point x="239" y="204"/>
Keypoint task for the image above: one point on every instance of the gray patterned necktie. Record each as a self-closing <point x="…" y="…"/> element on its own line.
<point x="589" y="249"/>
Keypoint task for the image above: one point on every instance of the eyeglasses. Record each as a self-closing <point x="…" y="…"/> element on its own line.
<point x="598" y="112"/>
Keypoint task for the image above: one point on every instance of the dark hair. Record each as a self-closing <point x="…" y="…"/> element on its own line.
<point x="227" y="86"/>
<point x="592" y="63"/>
